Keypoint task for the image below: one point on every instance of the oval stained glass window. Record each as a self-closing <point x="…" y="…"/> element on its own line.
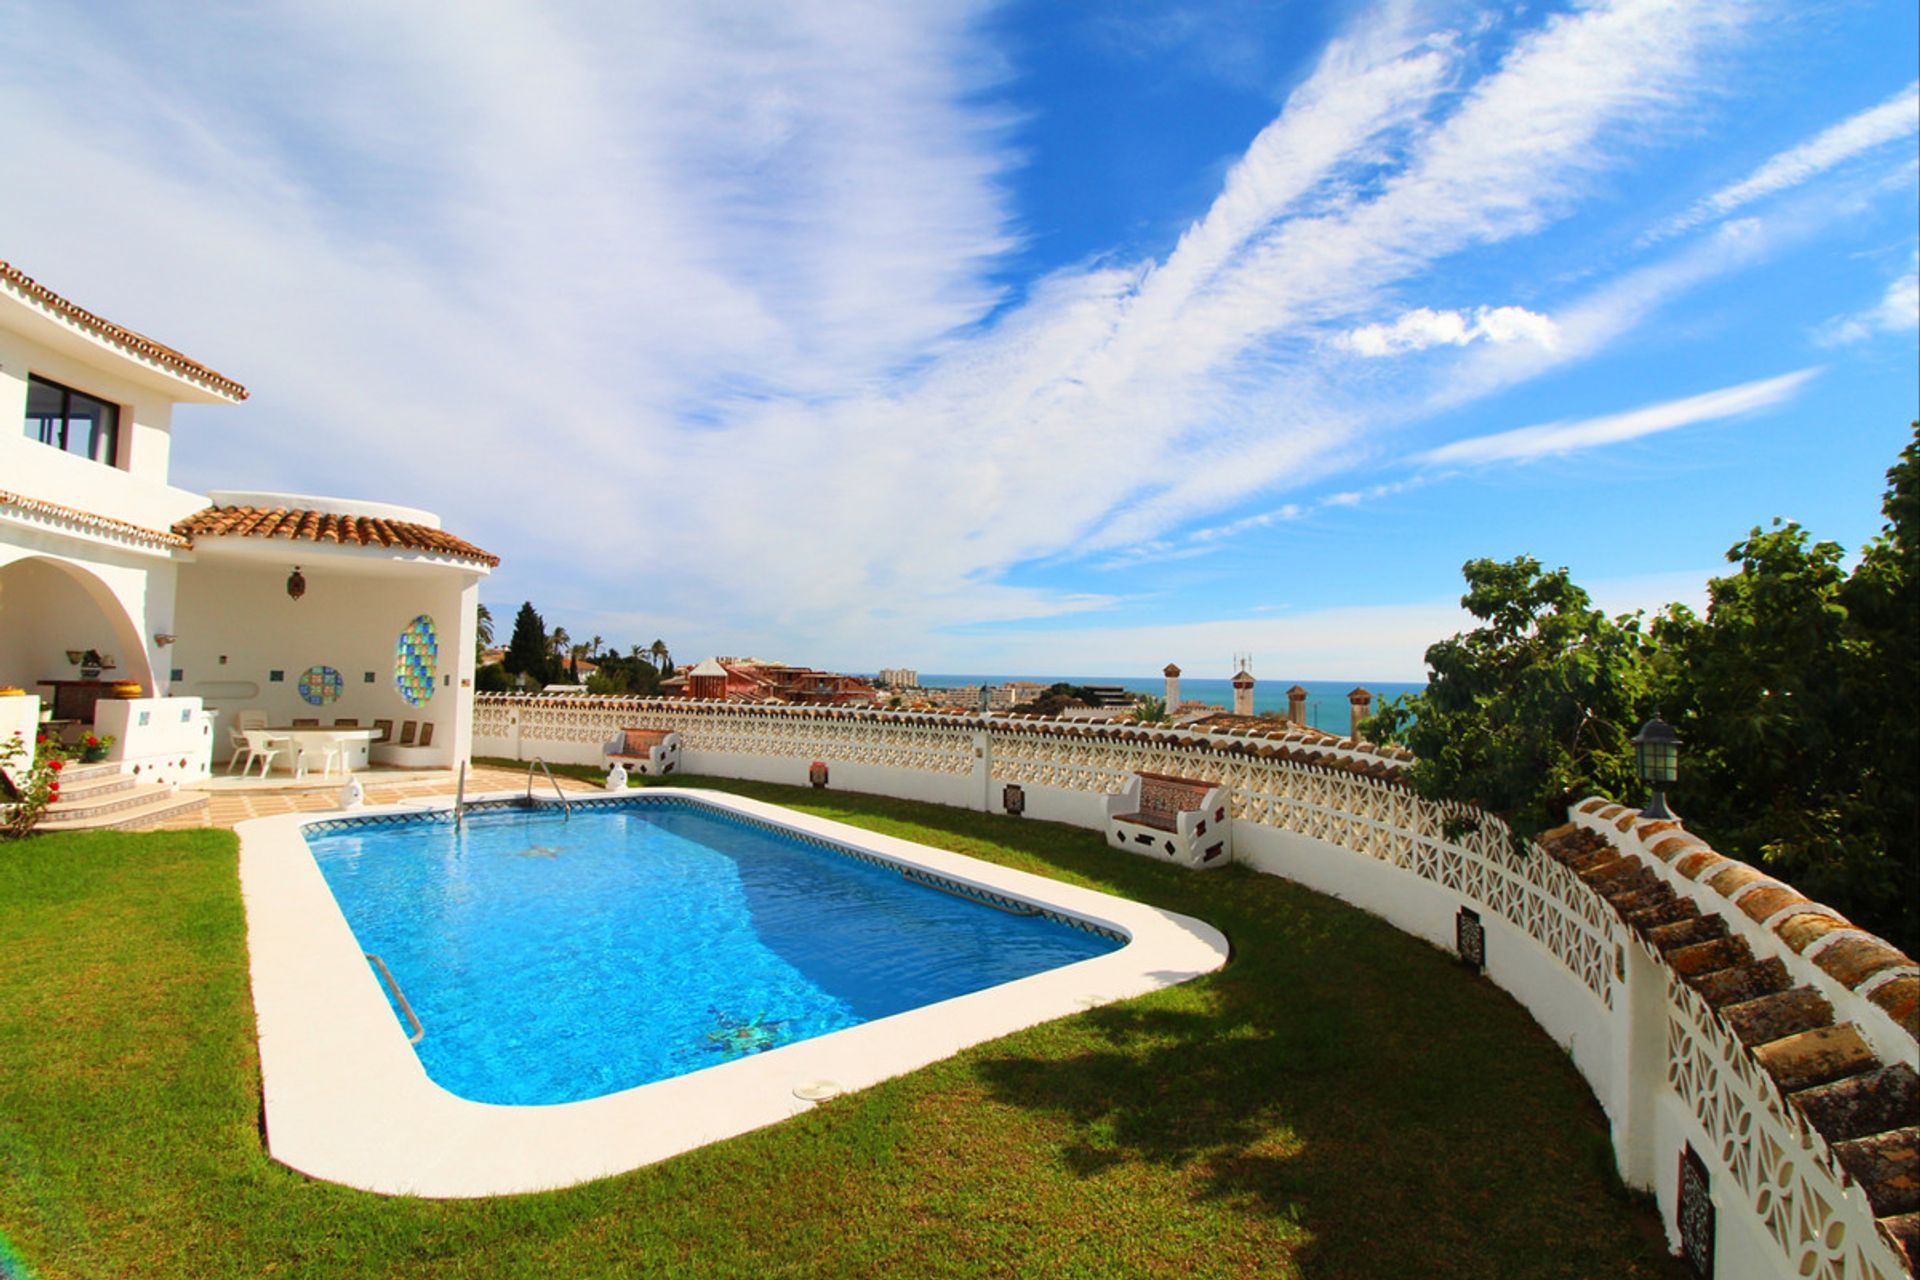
<point x="415" y="660"/>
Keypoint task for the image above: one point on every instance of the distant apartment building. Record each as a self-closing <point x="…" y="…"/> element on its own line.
<point x="899" y="677"/>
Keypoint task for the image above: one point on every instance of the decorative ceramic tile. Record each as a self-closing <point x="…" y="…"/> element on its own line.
<point x="320" y="685"/>
<point x="415" y="659"/>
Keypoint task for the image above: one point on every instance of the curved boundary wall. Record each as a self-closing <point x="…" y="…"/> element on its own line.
<point x="1563" y="932"/>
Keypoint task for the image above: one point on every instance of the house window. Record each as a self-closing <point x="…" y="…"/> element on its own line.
<point x="73" y="421"/>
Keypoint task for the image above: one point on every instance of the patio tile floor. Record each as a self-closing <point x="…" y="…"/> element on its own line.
<point x="229" y="808"/>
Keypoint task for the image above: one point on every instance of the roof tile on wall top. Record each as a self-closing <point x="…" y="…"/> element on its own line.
<point x="328" y="527"/>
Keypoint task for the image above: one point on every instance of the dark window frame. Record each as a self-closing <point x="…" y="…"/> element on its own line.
<point x="58" y="432"/>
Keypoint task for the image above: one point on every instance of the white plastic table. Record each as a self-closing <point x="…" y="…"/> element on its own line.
<point x="310" y="746"/>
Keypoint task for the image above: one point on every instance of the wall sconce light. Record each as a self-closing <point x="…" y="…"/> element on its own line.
<point x="296" y="584"/>
<point x="164" y="638"/>
<point x="74" y="656"/>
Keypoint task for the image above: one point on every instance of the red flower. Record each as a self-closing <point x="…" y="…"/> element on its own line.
<point x="92" y="741"/>
<point x="56" y="765"/>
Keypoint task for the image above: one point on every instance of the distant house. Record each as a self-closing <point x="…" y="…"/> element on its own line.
<point x="754" y="680"/>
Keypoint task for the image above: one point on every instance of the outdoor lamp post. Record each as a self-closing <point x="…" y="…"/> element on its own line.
<point x="1656" y="752"/>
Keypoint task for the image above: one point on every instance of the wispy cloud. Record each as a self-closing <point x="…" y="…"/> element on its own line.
<point x="694" y="311"/>
<point x="1424" y="327"/>
<point x="1552" y="439"/>
<point x="1897" y="311"/>
<point x="1898" y="117"/>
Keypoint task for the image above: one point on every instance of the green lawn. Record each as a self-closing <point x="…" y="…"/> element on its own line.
<point x="1341" y="1100"/>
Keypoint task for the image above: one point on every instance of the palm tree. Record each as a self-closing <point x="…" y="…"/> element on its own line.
<point x="482" y="632"/>
<point x="596" y="647"/>
<point x="662" y="660"/>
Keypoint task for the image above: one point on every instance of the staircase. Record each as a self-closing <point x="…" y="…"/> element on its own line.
<point x="98" y="797"/>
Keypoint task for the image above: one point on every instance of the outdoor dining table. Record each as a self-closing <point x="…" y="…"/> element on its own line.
<point x="309" y="746"/>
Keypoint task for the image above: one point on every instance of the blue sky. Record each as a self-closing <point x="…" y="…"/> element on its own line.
<point x="1030" y="337"/>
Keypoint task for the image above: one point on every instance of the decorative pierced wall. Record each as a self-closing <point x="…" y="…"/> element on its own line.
<point x="1369" y="816"/>
<point x="1763" y="1154"/>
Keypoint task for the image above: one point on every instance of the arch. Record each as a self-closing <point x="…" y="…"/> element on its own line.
<point x="49" y="606"/>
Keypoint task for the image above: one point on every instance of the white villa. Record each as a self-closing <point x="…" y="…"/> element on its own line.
<point x="298" y="608"/>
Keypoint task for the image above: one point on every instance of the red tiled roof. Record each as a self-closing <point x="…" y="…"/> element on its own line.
<point x="137" y="344"/>
<point x="325" y="526"/>
<point x="89" y="520"/>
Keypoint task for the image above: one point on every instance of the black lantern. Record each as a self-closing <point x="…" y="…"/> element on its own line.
<point x="1656" y="752"/>
<point x="296" y="584"/>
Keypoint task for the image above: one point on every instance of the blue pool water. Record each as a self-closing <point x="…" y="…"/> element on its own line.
<point x="553" y="961"/>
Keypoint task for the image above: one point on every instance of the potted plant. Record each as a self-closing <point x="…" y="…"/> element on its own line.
<point x="93" y="748"/>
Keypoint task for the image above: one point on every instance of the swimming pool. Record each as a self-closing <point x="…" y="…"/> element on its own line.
<point x="347" y="1099"/>
<point x="552" y="959"/>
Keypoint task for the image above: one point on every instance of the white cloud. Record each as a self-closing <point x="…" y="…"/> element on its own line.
<point x="1424" y="327"/>
<point x="1892" y="119"/>
<point x="1897" y="311"/>
<point x="690" y="311"/>
<point x="1898" y="117"/>
<point x="1551" y="439"/>
<point x="1363" y="642"/>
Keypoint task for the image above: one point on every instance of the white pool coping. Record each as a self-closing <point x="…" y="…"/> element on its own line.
<point x="348" y="1101"/>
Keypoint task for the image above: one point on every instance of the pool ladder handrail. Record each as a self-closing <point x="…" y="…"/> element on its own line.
<point x="400" y="996"/>
<point x="460" y="797"/>
<point x="566" y="807"/>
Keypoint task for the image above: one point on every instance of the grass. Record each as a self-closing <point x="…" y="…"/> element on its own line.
<point x="1340" y="1101"/>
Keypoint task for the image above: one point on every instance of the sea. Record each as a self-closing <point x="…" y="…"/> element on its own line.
<point x="1326" y="699"/>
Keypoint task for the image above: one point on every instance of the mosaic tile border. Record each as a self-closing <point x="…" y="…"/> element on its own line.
<point x="907" y="871"/>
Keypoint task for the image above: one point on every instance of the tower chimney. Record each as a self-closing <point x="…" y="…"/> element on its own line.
<point x="1360" y="702"/>
<point x="1172" y="673"/>
<point x="1297" y="705"/>
<point x="1243" y="685"/>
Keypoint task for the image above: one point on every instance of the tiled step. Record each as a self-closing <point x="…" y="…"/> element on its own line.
<point x="166" y="805"/>
<point x="97" y="803"/>
<point x="79" y="773"/>
<point x="93" y="786"/>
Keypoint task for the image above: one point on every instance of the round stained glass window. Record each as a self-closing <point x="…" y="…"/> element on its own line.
<point x="416" y="658"/>
<point x="320" y="685"/>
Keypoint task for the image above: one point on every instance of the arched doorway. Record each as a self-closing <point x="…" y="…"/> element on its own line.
<point x="51" y="608"/>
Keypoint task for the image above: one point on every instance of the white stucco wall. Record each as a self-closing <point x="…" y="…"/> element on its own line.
<point x="237" y="625"/>
<point x="134" y="490"/>
<point x="59" y="593"/>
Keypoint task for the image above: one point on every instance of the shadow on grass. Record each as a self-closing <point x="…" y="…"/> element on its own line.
<point x="1338" y="1074"/>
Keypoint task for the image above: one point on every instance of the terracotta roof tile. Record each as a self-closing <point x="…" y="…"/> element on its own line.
<point x="327" y="527"/>
<point x="137" y="344"/>
<point x="89" y="520"/>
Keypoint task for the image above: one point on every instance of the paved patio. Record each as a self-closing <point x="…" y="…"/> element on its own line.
<point x="230" y="805"/>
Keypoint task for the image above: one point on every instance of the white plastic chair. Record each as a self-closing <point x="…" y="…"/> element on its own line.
<point x="332" y="749"/>
<point x="236" y="735"/>
<point x="264" y="747"/>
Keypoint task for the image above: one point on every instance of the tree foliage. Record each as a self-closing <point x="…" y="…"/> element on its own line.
<point x="1796" y="696"/>
<point x="529" y="652"/>
<point x="1529" y="710"/>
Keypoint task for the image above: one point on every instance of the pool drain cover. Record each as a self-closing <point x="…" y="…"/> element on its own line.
<point x="817" y="1090"/>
